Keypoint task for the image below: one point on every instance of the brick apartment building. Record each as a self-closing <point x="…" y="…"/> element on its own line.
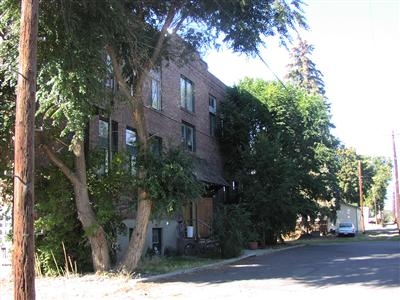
<point x="182" y="108"/>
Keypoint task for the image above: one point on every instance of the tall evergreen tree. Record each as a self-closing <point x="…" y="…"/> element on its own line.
<point x="302" y="71"/>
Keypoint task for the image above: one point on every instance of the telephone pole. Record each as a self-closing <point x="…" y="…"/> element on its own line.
<point x="361" y="195"/>
<point x="23" y="232"/>
<point x="396" y="191"/>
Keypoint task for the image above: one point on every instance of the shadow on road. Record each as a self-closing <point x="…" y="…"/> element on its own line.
<point x="377" y="265"/>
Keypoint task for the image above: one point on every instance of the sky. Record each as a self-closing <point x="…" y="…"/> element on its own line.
<point x="357" y="49"/>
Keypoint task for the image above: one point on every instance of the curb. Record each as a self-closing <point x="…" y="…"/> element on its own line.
<point x="246" y="254"/>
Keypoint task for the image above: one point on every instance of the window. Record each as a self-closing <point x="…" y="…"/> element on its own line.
<point x="156" y="240"/>
<point x="212" y="108"/>
<point x="156" y="145"/>
<point x="107" y="148"/>
<point x="212" y="104"/>
<point x="103" y="146"/>
<point x="130" y="143"/>
<point x="103" y="134"/>
<point x="114" y="137"/>
<point x="110" y="81"/>
<point x="187" y="95"/>
<point x="155" y="91"/>
<point x="130" y="232"/>
<point x="188" y="138"/>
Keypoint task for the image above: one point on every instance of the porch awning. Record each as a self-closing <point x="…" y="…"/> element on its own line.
<point x="208" y="173"/>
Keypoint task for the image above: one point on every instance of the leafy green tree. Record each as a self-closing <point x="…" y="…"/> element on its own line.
<point x="7" y="96"/>
<point x="348" y="175"/>
<point x="382" y="173"/>
<point x="136" y="36"/>
<point x="303" y="71"/>
<point x="304" y="121"/>
<point x="279" y="147"/>
<point x="66" y="88"/>
<point x="242" y="25"/>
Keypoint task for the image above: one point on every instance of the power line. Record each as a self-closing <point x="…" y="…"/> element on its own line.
<point x="270" y="69"/>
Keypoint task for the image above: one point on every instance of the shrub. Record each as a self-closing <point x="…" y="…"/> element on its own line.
<point x="230" y="227"/>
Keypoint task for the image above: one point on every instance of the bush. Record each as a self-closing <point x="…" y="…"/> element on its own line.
<point x="230" y="227"/>
<point x="56" y="224"/>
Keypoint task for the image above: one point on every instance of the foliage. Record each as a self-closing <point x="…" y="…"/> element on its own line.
<point x="170" y="181"/>
<point x="278" y="146"/>
<point x="348" y="175"/>
<point x="57" y="223"/>
<point x="303" y="71"/>
<point x="231" y="225"/>
<point x="74" y="33"/>
<point x="8" y="66"/>
<point x="376" y="174"/>
<point x="381" y="176"/>
<point x="111" y="193"/>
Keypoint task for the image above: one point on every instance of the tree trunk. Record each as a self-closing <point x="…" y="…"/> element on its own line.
<point x="94" y="232"/>
<point x="23" y="230"/>
<point x="138" y="238"/>
<point x="86" y="215"/>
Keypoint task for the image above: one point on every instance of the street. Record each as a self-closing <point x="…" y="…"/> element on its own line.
<point x="342" y="269"/>
<point x="333" y="271"/>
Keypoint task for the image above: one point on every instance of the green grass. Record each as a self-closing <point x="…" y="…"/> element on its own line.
<point x="162" y="265"/>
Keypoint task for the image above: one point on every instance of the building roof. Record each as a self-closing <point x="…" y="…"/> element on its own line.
<point x="208" y="173"/>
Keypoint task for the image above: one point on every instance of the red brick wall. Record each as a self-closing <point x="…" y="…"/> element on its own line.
<point x="166" y="123"/>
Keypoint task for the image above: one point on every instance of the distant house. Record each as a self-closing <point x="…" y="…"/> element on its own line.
<point x="182" y="109"/>
<point x="348" y="213"/>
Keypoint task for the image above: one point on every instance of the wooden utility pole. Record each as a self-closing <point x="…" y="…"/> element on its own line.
<point x="23" y="234"/>
<point x="361" y="195"/>
<point x="396" y="186"/>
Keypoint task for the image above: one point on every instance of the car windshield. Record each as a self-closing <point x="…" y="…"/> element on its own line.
<point x="345" y="225"/>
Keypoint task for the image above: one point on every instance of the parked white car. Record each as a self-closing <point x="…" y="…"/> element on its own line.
<point x="346" y="229"/>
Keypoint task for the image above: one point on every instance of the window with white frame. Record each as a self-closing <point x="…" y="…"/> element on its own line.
<point x="110" y="81"/>
<point x="107" y="149"/>
<point x="130" y="143"/>
<point x="155" y="89"/>
<point x="188" y="137"/>
<point x="103" y="144"/>
<point x="212" y="108"/>
<point x="187" y="94"/>
<point x="212" y="104"/>
<point x="103" y="133"/>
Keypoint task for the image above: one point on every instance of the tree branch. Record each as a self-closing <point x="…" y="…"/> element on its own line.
<point x="118" y="73"/>
<point x="168" y="21"/>
<point x="58" y="163"/>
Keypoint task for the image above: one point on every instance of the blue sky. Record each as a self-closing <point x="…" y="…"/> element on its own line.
<point x="357" y="48"/>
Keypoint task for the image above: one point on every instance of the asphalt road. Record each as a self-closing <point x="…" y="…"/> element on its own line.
<point x="334" y="271"/>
